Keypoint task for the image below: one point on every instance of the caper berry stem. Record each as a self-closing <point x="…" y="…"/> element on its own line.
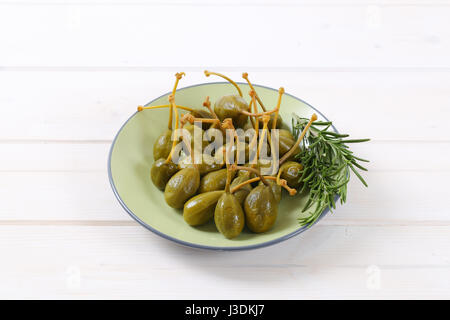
<point x="266" y="119"/>
<point x="280" y="171"/>
<point x="300" y="138"/>
<point x="207" y="104"/>
<point x="251" y="118"/>
<point x="188" y="145"/>
<point x="245" y="76"/>
<point x="208" y="73"/>
<point x="280" y="94"/>
<point x="255" y="108"/>
<point x="228" y="124"/>
<point x="140" y="108"/>
<point x="255" y="136"/>
<point x="282" y="183"/>
<point x="236" y="188"/>
<point x="256" y="171"/>
<point x="178" y="76"/>
<point x="175" y="138"/>
<point x="256" y="114"/>
<point x="274" y="125"/>
<point x="191" y="119"/>
<point x="228" y="183"/>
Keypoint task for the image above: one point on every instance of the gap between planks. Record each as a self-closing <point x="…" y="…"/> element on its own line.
<point x="100" y="141"/>
<point x="131" y="223"/>
<point x="241" y="3"/>
<point x="55" y="141"/>
<point x="255" y="69"/>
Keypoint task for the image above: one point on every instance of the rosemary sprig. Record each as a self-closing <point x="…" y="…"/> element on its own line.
<point x="327" y="162"/>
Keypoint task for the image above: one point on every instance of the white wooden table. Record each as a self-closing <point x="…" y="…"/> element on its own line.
<point x="71" y="72"/>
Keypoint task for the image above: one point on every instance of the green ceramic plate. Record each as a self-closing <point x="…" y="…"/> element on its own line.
<point x="131" y="157"/>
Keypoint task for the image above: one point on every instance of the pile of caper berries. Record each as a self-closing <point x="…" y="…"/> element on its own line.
<point x="235" y="196"/>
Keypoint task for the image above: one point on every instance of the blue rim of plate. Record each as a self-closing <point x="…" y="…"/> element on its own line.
<point x="195" y="245"/>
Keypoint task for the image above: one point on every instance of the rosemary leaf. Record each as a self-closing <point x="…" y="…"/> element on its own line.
<point x="327" y="162"/>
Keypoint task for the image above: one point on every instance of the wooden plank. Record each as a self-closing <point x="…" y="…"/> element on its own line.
<point x="392" y="198"/>
<point x="325" y="262"/>
<point x="287" y="3"/>
<point x="221" y="283"/>
<point x="303" y="36"/>
<point x="54" y="156"/>
<point x="54" y="177"/>
<point x="58" y="196"/>
<point x="93" y="105"/>
<point x="72" y="81"/>
<point x="384" y="156"/>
